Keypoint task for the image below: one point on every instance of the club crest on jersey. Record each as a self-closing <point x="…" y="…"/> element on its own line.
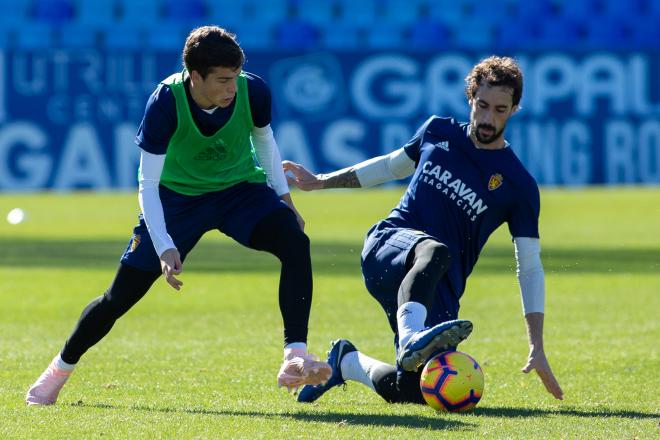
<point x="135" y="242"/>
<point x="495" y="182"/>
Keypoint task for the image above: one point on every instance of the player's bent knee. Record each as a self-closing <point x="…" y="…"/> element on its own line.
<point x="290" y="245"/>
<point x="441" y="255"/>
<point x="433" y="254"/>
<point x="295" y="239"/>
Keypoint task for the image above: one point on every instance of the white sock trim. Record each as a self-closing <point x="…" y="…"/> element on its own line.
<point x="294" y="348"/>
<point x="410" y="318"/>
<point x="59" y="363"/>
<point x="358" y="367"/>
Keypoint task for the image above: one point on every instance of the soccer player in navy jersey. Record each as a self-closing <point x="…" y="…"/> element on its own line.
<point x="202" y="133"/>
<point x="466" y="182"/>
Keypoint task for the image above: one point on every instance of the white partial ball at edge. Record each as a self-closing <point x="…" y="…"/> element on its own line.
<point x="16" y="216"/>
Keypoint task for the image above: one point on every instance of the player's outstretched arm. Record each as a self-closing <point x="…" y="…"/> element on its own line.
<point x="375" y="171"/>
<point x="151" y="167"/>
<point x="308" y="181"/>
<point x="532" y="289"/>
<point x="537" y="359"/>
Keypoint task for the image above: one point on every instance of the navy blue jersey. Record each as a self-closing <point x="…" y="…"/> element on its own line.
<point x="461" y="194"/>
<point x="160" y="120"/>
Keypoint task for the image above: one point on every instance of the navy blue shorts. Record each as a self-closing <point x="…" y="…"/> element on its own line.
<point x="235" y="211"/>
<point x="384" y="265"/>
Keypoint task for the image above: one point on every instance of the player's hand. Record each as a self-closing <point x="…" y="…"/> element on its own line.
<point x="301" y="178"/>
<point x="537" y="361"/>
<point x="170" y="265"/>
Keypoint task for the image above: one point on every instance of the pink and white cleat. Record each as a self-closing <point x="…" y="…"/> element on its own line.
<point x="300" y="368"/>
<point x="47" y="387"/>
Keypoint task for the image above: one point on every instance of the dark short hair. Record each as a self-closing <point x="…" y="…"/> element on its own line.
<point x="495" y="71"/>
<point x="211" y="46"/>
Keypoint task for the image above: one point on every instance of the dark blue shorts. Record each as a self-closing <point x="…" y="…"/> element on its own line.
<point x="234" y="211"/>
<point x="384" y="257"/>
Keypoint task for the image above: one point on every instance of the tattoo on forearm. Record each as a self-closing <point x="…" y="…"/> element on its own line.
<point x="346" y="178"/>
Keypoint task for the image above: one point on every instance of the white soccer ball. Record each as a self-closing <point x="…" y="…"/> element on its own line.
<point x="16" y="216"/>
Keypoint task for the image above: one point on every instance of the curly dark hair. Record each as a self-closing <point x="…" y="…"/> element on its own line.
<point x="495" y="71"/>
<point x="211" y="46"/>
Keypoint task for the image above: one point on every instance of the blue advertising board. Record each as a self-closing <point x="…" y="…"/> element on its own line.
<point x="68" y="117"/>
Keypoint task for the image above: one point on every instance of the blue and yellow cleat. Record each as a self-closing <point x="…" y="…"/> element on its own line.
<point x="338" y="349"/>
<point x="423" y="344"/>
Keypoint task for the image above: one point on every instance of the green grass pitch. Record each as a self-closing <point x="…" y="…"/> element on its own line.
<point x="202" y="363"/>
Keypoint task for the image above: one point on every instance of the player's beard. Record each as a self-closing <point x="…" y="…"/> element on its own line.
<point x="490" y="139"/>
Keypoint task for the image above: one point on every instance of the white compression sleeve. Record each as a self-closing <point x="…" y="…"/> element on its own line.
<point x="381" y="169"/>
<point x="151" y="166"/>
<point x="269" y="158"/>
<point x="530" y="274"/>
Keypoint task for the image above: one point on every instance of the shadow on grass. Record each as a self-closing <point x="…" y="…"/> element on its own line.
<point x="207" y="256"/>
<point x="435" y="422"/>
<point x="348" y="419"/>
<point x="573" y="412"/>
<point x="327" y="257"/>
